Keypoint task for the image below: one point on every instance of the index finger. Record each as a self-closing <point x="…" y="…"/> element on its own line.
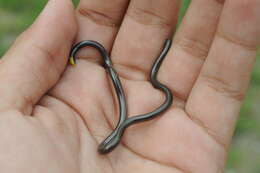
<point x="37" y="59"/>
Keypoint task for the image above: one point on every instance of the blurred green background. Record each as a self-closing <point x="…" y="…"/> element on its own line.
<point x="244" y="156"/>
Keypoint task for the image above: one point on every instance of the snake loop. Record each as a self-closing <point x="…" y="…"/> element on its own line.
<point x="115" y="137"/>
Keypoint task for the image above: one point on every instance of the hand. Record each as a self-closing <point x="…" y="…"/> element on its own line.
<point x="53" y="119"/>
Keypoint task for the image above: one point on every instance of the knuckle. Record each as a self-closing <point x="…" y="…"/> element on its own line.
<point x="223" y="87"/>
<point x="243" y="3"/>
<point x="99" y="17"/>
<point x="220" y="1"/>
<point x="147" y="17"/>
<point x="194" y="47"/>
<point x="49" y="57"/>
<point x="239" y="42"/>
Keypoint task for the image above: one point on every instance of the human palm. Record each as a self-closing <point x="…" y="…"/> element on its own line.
<point x="53" y="119"/>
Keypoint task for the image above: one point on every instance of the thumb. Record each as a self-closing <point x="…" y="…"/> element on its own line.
<point x="38" y="57"/>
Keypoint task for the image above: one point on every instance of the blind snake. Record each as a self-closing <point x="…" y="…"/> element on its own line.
<point x="115" y="137"/>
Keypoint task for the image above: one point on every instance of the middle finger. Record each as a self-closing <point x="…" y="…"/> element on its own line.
<point x="147" y="24"/>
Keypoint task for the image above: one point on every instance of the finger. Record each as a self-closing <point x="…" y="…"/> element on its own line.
<point x="99" y="20"/>
<point x="38" y="57"/>
<point x="216" y="97"/>
<point x="191" y="46"/>
<point x="146" y="26"/>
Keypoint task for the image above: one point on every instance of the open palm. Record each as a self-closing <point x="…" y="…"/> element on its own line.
<point x="52" y="119"/>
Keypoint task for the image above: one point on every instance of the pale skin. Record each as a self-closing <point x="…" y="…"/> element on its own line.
<point x="53" y="116"/>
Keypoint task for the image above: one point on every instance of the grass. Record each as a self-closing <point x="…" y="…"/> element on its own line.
<point x="244" y="156"/>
